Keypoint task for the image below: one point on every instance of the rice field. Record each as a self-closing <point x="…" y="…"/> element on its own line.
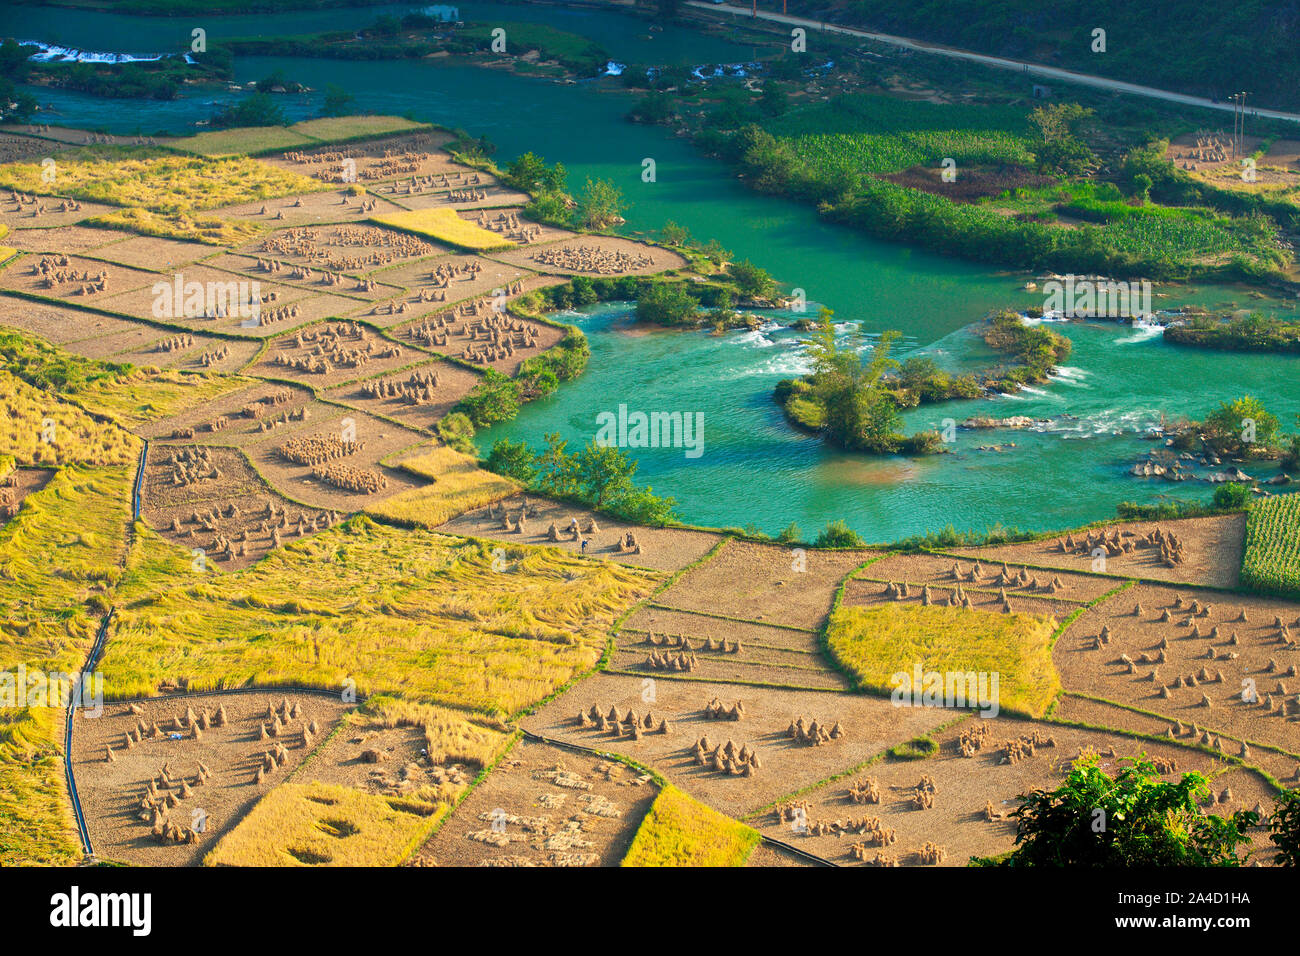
<point x="317" y="824"/>
<point x="457" y="484"/>
<point x="1271" y="563"/>
<point x="335" y="129"/>
<point x="443" y="225"/>
<point x="42" y="430"/>
<point x="680" y="831"/>
<point x="141" y="396"/>
<point x="874" y="643"/>
<point x="480" y="626"/>
<point x="58" y="557"/>
<point x="163" y="183"/>
<point x="206" y="229"/>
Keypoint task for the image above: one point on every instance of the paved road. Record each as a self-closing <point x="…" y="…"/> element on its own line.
<point x="1031" y="69"/>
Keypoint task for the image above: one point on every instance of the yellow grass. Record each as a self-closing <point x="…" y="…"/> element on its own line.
<point x="7" y="253"/>
<point x="205" y="229"/>
<point x="148" y="394"/>
<point x="318" y="824"/>
<point x="241" y="141"/>
<point x="58" y="558"/>
<point x="38" y="428"/>
<point x="443" y="225"/>
<point x="334" y="128"/>
<point x="448" y="735"/>
<point x="480" y="626"/>
<point x="457" y="484"/>
<point x="162" y="182"/>
<point x="875" y="643"/>
<point x="680" y="831"/>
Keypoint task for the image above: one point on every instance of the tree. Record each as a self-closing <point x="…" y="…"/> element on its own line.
<point x="514" y="460"/>
<point x="603" y="473"/>
<point x="752" y="281"/>
<point x="255" y="110"/>
<point x="1284" y="829"/>
<point x="1241" y="424"/>
<point x="1056" y="142"/>
<point x="600" y="205"/>
<point x="529" y="172"/>
<point x="1231" y="495"/>
<point x="674" y="235"/>
<point x="338" y="101"/>
<point x="1133" y="819"/>
<point x="667" y="303"/>
<point x="837" y="534"/>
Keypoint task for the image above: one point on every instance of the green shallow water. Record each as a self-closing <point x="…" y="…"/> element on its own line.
<point x="754" y="469"/>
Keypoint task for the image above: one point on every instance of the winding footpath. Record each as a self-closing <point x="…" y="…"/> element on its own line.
<point x="1031" y="69"/>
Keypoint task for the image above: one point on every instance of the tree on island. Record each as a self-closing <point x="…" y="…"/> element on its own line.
<point x="1234" y="427"/>
<point x="751" y="280"/>
<point x="667" y="303"/>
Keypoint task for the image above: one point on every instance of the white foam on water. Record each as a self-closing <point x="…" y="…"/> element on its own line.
<point x="1142" y="332"/>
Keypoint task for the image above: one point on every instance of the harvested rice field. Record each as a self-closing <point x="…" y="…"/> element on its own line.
<point x="545" y="806"/>
<point x="888" y="812"/>
<point x="212" y="779"/>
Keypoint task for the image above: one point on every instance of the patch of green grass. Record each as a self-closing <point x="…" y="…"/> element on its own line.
<point x="1271" y="562"/>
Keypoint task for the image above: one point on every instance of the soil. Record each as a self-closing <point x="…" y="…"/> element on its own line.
<point x="550" y="807"/>
<point x="662" y="549"/>
<point x="964" y="785"/>
<point x="110" y="792"/>
<point x="870" y="725"/>
<point x="662" y="260"/>
<point x="454" y="383"/>
<point x="239" y="486"/>
<point x="760" y="582"/>
<point x="1212" y="547"/>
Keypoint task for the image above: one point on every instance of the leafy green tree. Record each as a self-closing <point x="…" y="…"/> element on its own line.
<point x="674" y="235"/>
<point x="494" y="399"/>
<point x="1241" y="424"/>
<point x="837" y="534"/>
<point x="1284" y="829"/>
<point x="514" y="459"/>
<point x="257" y="109"/>
<point x="600" y="205"/>
<point x="603" y="472"/>
<point x="667" y="303"/>
<point x="1134" y="819"/>
<point x="752" y="281"/>
<point x="529" y="172"/>
<point x="1056" y="142"/>
<point x="338" y="101"/>
<point x="1231" y="495"/>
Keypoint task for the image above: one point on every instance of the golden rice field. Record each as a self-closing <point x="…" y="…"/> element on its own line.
<point x="449" y="735"/>
<point x="58" y="557"/>
<point x="179" y="225"/>
<point x="40" y="429"/>
<point x="443" y="225"/>
<point x="242" y="140"/>
<point x="317" y="824"/>
<point x="162" y="182"/>
<point x="457" y="484"/>
<point x="874" y="643"/>
<point x="680" y="831"/>
<point x="342" y="128"/>
<point x="424" y="616"/>
<point x="146" y="395"/>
